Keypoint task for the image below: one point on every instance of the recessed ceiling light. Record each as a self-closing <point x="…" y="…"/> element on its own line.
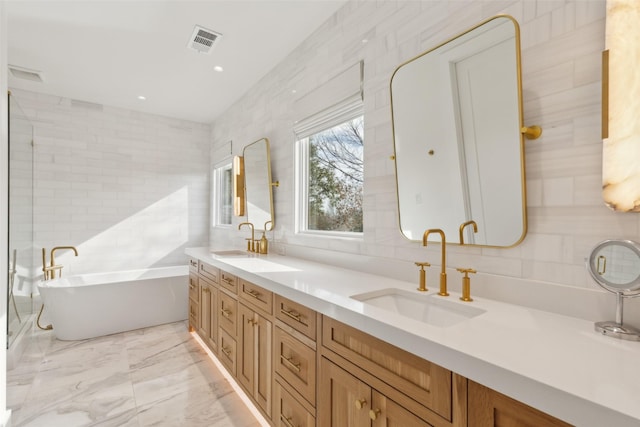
<point x="142" y="97"/>
<point x="218" y="68"/>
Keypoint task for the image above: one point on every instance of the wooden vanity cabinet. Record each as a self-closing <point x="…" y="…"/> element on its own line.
<point x="352" y="402"/>
<point x="488" y="408"/>
<point x="255" y="335"/>
<point x="303" y="369"/>
<point x="404" y="386"/>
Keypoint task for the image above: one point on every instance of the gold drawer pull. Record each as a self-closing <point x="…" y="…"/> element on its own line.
<point x="286" y="421"/>
<point x="361" y="403"/>
<point x="225" y="313"/>
<point x="292" y="314"/>
<point x="229" y="280"/>
<point x="206" y="290"/>
<point x="192" y="287"/>
<point x="226" y="351"/>
<point x="252" y="322"/>
<point x="373" y="414"/>
<point x="253" y="293"/>
<point x="288" y="361"/>
<point x="193" y="263"/>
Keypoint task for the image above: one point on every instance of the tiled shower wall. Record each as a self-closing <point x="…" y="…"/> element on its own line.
<point x="562" y="41"/>
<point x="129" y="190"/>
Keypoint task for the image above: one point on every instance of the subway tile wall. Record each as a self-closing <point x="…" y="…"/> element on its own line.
<point x="562" y="41"/>
<point x="129" y="190"/>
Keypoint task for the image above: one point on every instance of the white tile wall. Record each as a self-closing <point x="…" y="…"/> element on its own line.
<point x="562" y="42"/>
<point x="129" y="190"/>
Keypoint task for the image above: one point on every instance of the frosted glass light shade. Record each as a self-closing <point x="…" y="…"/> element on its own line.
<point x="621" y="144"/>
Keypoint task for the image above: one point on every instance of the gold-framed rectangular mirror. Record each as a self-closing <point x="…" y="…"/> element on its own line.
<point x="458" y="147"/>
<point x="258" y="185"/>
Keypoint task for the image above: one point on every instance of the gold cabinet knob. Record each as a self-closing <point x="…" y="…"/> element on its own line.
<point x="373" y="414"/>
<point x="361" y="403"/>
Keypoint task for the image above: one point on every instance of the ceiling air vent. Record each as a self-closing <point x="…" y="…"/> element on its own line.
<point x="203" y="40"/>
<point x="25" y="73"/>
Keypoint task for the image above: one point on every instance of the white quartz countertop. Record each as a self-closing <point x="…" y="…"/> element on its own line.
<point x="555" y="363"/>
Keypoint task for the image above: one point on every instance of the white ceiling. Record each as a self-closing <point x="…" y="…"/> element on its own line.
<point x="110" y="52"/>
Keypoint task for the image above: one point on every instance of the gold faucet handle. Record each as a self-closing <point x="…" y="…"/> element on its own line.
<point x="423" y="276"/>
<point x="466" y="283"/>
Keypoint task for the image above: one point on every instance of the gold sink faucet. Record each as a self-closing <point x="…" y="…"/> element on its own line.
<point x="251" y="244"/>
<point x="462" y="227"/>
<point x="443" y="273"/>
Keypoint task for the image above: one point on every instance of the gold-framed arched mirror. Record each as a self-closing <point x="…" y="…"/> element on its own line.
<point x="458" y="137"/>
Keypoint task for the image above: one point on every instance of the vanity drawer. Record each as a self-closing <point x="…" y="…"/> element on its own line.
<point x="193" y="265"/>
<point x="228" y="313"/>
<point x="296" y="364"/>
<point x="255" y="296"/>
<point x="209" y="271"/>
<point x="423" y="381"/>
<point x="229" y="282"/>
<point x="289" y="411"/>
<point x="299" y="317"/>
<point x="194" y="294"/>
<point x="227" y="351"/>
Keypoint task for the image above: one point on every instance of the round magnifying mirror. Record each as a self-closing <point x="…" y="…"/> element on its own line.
<point x="615" y="265"/>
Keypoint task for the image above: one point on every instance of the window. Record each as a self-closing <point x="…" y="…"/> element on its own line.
<point x="222" y="197"/>
<point x="330" y="177"/>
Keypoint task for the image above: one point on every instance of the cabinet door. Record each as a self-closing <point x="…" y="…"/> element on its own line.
<point x="212" y="330"/>
<point x="385" y="412"/>
<point x="246" y="352"/>
<point x="263" y="370"/>
<point x="488" y="408"/>
<point x="254" y="356"/>
<point x="343" y="400"/>
<point x="204" y="321"/>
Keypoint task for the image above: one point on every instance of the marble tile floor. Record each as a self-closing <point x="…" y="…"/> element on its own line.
<point x="157" y="376"/>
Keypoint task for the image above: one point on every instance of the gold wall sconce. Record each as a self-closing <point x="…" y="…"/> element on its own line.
<point x="238" y="186"/>
<point x="621" y="107"/>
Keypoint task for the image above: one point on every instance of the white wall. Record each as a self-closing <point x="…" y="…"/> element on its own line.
<point x="561" y="56"/>
<point x="129" y="190"/>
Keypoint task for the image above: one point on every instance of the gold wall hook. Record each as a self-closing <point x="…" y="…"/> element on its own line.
<point x="275" y="184"/>
<point x="531" y="132"/>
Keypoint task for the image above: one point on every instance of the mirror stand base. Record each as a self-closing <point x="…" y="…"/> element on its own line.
<point x="617" y="330"/>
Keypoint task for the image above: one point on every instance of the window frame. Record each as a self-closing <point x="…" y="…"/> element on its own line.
<point x="217" y="203"/>
<point x="318" y="123"/>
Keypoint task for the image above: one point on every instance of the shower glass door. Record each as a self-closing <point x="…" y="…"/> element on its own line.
<point x="21" y="260"/>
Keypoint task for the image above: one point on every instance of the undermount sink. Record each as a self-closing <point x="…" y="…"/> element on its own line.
<point x="232" y="252"/>
<point x="432" y="309"/>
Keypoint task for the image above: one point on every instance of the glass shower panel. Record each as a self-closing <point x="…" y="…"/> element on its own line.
<point x="22" y="272"/>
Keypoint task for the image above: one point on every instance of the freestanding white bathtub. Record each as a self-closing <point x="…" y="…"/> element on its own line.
<point x="92" y="305"/>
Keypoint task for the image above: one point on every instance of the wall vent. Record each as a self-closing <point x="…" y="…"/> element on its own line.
<point x="203" y="40"/>
<point x="25" y="73"/>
